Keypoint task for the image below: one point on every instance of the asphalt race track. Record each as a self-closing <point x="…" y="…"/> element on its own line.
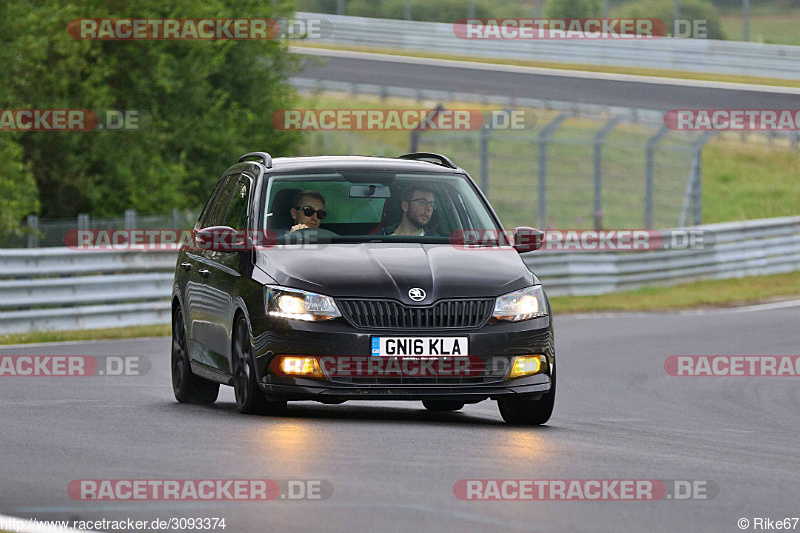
<point x="521" y="82"/>
<point x="393" y="465"/>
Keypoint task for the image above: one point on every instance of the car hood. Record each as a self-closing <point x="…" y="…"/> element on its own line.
<point x="381" y="270"/>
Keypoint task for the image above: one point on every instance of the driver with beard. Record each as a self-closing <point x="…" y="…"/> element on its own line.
<point x="418" y="205"/>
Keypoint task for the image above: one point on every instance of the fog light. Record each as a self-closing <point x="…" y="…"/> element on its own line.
<point x="525" y="365"/>
<point x="297" y="366"/>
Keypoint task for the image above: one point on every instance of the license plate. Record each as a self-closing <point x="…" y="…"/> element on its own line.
<point x="420" y="346"/>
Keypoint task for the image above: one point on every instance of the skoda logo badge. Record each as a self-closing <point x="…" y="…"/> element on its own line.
<point x="416" y="294"/>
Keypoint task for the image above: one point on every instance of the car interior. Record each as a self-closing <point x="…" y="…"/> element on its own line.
<point x="348" y="216"/>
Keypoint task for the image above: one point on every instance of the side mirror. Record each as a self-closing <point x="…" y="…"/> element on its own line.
<point x="219" y="239"/>
<point x="527" y="239"/>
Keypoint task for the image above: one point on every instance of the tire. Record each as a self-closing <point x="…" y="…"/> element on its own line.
<point x="250" y="399"/>
<point x="523" y="411"/>
<point x="442" y="405"/>
<point x="188" y="387"/>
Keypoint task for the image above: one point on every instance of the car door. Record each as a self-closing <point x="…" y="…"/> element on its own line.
<point x="191" y="279"/>
<point x="203" y="300"/>
<point x="225" y="272"/>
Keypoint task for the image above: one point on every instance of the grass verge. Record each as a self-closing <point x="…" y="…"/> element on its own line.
<point x="159" y="330"/>
<point x="700" y="294"/>
<point x="608" y="69"/>
<point x="775" y="28"/>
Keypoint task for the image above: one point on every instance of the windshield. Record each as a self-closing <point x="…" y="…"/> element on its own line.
<point x="374" y="206"/>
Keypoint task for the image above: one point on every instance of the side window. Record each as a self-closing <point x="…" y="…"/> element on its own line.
<point x="217" y="210"/>
<point x="209" y="204"/>
<point x="236" y="217"/>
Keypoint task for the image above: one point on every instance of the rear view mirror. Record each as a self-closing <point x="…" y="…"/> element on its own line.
<point x="370" y="191"/>
<point x="527" y="239"/>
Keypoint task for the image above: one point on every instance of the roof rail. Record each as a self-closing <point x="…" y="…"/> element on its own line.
<point x="264" y="156"/>
<point x="422" y="156"/>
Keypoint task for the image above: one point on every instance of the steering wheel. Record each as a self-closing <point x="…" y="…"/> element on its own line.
<point x="310" y="235"/>
<point x="321" y="232"/>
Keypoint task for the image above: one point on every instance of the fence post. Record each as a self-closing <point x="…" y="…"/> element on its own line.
<point x="130" y="219"/>
<point x="84" y="222"/>
<point x="485" y="160"/>
<point x="413" y="141"/>
<point x="33" y="231"/>
<point x="413" y="137"/>
<point x="648" y="193"/>
<point x="598" y="169"/>
<point x="692" y="198"/>
<point x="541" y="215"/>
<point x="697" y="190"/>
<point x="698" y="187"/>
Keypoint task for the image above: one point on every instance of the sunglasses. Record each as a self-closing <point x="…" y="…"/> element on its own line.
<point x="309" y="212"/>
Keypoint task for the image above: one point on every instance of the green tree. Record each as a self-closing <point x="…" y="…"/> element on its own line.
<point x="18" y="192"/>
<point x="692" y="10"/>
<point x="202" y="103"/>
<point x="574" y="9"/>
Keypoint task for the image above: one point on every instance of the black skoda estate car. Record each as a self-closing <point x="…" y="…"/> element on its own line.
<point x="359" y="278"/>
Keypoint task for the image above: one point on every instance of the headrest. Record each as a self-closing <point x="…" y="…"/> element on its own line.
<point x="280" y="211"/>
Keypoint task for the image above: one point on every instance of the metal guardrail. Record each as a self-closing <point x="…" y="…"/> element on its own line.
<point x="752" y="248"/>
<point x="63" y="289"/>
<point x="60" y="289"/>
<point x="699" y="55"/>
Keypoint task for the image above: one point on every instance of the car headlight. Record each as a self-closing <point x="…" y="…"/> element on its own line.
<point x="284" y="302"/>
<point x="519" y="305"/>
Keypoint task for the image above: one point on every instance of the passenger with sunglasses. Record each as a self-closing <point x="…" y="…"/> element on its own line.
<point x="308" y="210"/>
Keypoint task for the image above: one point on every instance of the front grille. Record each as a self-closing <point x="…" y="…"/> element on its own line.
<point x="441" y="315"/>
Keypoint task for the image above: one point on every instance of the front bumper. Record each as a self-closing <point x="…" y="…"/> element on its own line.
<point x="467" y="393"/>
<point x="493" y="344"/>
